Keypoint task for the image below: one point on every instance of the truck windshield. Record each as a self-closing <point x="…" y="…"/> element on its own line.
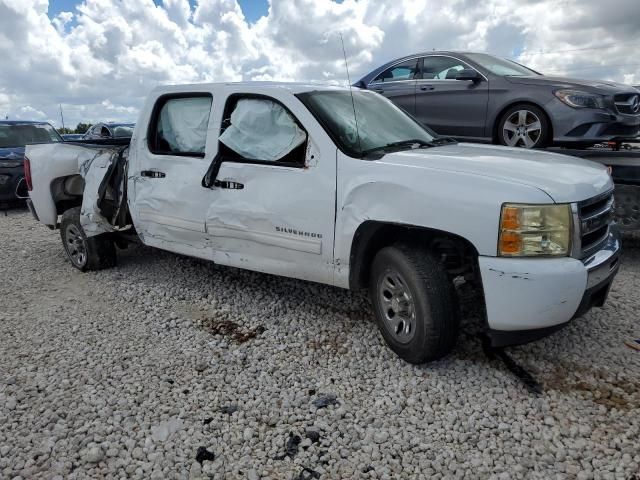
<point x="381" y="125"/>
<point x="20" y="134"/>
<point x="500" y="66"/>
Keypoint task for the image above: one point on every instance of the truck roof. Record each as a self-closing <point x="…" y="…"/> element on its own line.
<point x="293" y="87"/>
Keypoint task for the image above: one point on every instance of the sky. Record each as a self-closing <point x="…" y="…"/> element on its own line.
<point x="99" y="58"/>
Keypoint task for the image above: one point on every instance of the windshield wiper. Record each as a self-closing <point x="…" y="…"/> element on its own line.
<point x="417" y="142"/>
<point x="443" y="140"/>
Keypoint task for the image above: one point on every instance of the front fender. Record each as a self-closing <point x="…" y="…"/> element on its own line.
<point x="462" y="204"/>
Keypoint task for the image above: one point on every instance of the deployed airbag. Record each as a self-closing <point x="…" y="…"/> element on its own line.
<point x="262" y="130"/>
<point x="184" y="123"/>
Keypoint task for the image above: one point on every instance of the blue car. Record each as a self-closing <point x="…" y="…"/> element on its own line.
<point x="72" y="137"/>
<point x="14" y="135"/>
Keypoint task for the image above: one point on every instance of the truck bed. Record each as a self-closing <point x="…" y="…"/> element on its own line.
<point x="61" y="171"/>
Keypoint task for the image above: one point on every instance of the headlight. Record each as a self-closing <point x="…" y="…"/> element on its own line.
<point x="534" y="230"/>
<point x="578" y="99"/>
<point x="9" y="164"/>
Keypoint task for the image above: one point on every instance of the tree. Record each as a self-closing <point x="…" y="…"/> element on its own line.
<point x="82" y="128"/>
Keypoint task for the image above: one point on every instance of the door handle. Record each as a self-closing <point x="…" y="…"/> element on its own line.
<point x="228" y="184"/>
<point x="426" y="88"/>
<point x="152" y="174"/>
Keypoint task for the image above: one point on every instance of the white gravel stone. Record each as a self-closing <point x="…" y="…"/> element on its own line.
<point x="117" y="374"/>
<point x="93" y="455"/>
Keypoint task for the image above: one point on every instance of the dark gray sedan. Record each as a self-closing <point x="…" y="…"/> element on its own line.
<point x="479" y="97"/>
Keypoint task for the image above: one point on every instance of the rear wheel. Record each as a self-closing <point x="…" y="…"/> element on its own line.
<point x="84" y="253"/>
<point x="524" y="126"/>
<point x="414" y="303"/>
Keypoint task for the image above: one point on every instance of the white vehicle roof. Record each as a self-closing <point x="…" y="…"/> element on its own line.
<point x="292" y="87"/>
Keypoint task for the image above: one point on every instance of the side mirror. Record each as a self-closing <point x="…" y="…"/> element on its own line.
<point x="360" y="84"/>
<point x="468" y="74"/>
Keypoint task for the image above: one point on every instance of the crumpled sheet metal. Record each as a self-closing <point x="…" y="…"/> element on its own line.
<point x="93" y="166"/>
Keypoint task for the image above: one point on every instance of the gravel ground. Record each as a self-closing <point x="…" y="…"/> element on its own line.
<point x="141" y="371"/>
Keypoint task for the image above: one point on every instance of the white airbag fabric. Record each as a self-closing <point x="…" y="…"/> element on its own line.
<point x="184" y="123"/>
<point x="262" y="130"/>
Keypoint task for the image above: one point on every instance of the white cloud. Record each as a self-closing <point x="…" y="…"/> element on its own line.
<point x="100" y="60"/>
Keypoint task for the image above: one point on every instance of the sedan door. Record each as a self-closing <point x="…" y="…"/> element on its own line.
<point x="450" y="106"/>
<point x="398" y="84"/>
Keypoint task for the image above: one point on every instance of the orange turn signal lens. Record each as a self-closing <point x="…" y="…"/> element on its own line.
<point x="510" y="243"/>
<point x="510" y="218"/>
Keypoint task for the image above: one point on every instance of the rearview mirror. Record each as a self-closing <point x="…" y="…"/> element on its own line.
<point x="468" y="74"/>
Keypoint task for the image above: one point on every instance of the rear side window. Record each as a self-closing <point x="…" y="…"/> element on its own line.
<point x="179" y="125"/>
<point x="407" y="70"/>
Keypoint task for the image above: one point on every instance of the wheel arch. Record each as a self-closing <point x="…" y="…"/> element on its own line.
<point x="67" y="192"/>
<point x="458" y="254"/>
<point x="502" y="111"/>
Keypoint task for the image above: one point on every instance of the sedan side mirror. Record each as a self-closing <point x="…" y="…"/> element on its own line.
<point x="468" y="74"/>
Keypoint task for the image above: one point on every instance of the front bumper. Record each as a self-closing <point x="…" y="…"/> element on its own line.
<point x="527" y="299"/>
<point x="12" y="184"/>
<point x="572" y="125"/>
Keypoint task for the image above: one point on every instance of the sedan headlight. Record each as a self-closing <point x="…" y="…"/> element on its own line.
<point x="534" y="230"/>
<point x="9" y="164"/>
<point x="578" y="99"/>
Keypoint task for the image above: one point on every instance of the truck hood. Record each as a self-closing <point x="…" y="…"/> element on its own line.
<point x="564" y="178"/>
<point x="592" y="86"/>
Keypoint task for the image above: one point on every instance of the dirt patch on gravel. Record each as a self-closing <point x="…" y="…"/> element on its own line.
<point x="621" y="394"/>
<point x="232" y="330"/>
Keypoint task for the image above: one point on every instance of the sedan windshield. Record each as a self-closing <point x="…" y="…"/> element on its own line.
<point x="20" y="134"/>
<point x="380" y="124"/>
<point x="501" y="66"/>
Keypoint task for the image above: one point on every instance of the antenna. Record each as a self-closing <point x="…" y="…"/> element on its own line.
<point x="62" y="117"/>
<point x="353" y="103"/>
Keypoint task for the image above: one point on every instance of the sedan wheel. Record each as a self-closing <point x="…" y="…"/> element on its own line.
<point x="522" y="128"/>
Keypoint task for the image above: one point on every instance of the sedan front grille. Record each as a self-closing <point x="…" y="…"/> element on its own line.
<point x="628" y="103"/>
<point x="595" y="216"/>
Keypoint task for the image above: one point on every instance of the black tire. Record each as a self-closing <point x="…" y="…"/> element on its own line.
<point x="431" y="331"/>
<point x="85" y="254"/>
<point x="523" y="135"/>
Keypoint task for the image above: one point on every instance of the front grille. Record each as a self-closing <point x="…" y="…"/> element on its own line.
<point x="628" y="103"/>
<point x="595" y="217"/>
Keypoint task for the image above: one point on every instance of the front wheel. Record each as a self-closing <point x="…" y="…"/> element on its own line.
<point x="94" y="253"/>
<point x="524" y="126"/>
<point x="414" y="303"/>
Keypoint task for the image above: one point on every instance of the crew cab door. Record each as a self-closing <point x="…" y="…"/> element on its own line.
<point x="272" y="189"/>
<point x="450" y="106"/>
<point x="167" y="201"/>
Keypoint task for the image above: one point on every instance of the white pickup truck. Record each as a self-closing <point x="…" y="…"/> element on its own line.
<point x="342" y="188"/>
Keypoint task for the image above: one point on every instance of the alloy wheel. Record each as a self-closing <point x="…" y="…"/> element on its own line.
<point x="522" y="129"/>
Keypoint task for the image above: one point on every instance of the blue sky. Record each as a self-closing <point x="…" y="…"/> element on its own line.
<point x="252" y="9"/>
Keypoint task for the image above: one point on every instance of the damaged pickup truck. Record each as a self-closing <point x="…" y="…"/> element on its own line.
<point x="342" y="188"/>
